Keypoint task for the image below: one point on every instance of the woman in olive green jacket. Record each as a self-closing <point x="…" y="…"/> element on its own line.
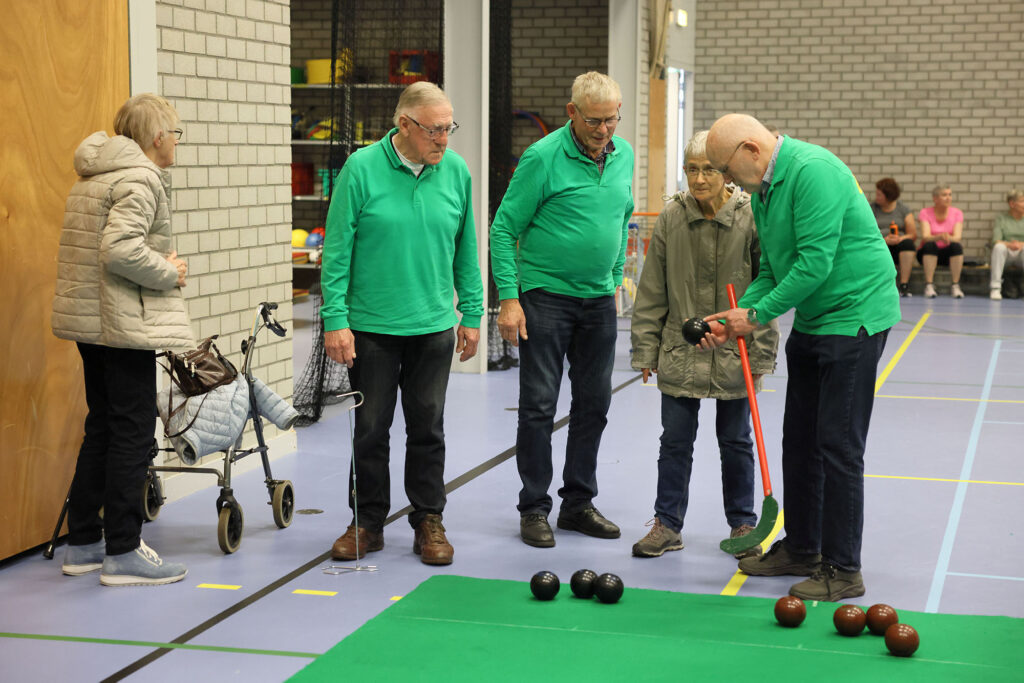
<point x="703" y="240"/>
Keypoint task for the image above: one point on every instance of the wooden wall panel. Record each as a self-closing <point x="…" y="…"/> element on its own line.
<point x="657" y="136"/>
<point x="63" y="75"/>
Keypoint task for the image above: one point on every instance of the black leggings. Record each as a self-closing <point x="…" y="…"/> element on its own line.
<point x="944" y="254"/>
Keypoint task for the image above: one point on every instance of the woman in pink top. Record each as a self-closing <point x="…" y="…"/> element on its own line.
<point x="942" y="227"/>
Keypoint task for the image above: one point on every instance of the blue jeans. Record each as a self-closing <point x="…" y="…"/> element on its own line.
<point x="584" y="332"/>
<point x="420" y="366"/>
<point x="675" y="459"/>
<point x="829" y="397"/>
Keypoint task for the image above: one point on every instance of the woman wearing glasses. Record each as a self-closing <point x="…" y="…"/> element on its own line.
<point x="703" y="240"/>
<point x="118" y="297"/>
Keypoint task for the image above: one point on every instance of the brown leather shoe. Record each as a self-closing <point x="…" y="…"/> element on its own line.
<point x="431" y="544"/>
<point x="345" y="547"/>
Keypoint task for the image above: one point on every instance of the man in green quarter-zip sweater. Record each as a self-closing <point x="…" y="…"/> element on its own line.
<point x="400" y="242"/>
<point x="822" y="254"/>
<point x="568" y="207"/>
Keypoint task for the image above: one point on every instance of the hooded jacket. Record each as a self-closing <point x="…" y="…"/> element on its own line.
<point x="115" y="286"/>
<point x="689" y="262"/>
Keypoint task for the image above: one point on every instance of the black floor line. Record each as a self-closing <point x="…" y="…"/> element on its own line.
<point x="454" y="484"/>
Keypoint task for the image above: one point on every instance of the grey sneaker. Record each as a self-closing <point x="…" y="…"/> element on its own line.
<point x="929" y="291"/>
<point x="140" y="567"/>
<point x="658" y="541"/>
<point x="779" y="561"/>
<point x="82" y="559"/>
<point x="829" y="584"/>
<point x="743" y="530"/>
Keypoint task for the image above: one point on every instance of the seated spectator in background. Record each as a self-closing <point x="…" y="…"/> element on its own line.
<point x="942" y="228"/>
<point x="898" y="228"/>
<point x="1007" y="241"/>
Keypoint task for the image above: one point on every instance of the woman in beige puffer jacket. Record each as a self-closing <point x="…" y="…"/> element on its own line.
<point x="119" y="298"/>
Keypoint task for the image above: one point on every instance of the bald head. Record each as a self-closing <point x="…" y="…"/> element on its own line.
<point x="741" y="147"/>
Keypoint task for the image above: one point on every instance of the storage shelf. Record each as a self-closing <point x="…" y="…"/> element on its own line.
<point x="308" y="198"/>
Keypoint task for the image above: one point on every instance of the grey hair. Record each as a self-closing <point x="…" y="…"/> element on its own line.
<point x="697" y="146"/>
<point x="937" y="190"/>
<point x="419" y="94"/>
<point x="595" y="88"/>
<point x="1015" y="193"/>
<point x="143" y="116"/>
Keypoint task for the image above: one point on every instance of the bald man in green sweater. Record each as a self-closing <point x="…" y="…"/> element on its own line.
<point x="821" y="254"/>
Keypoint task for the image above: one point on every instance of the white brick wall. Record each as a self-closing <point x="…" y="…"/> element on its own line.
<point x="224" y="66"/>
<point x="926" y="91"/>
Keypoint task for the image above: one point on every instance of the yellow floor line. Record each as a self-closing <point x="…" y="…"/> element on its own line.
<point x="219" y="586"/>
<point x="953" y="481"/>
<point x="303" y="591"/>
<point x="737" y="580"/>
<point x="950" y="398"/>
<point x="899" y="352"/>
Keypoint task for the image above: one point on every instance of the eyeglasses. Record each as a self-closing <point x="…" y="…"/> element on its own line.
<point x="725" y="169"/>
<point x="435" y="133"/>
<point x="178" y="132"/>
<point x="709" y="173"/>
<point x="611" y="121"/>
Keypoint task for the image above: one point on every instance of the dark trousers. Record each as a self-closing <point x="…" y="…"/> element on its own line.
<point x="675" y="459"/>
<point x="829" y="397"/>
<point x="584" y="332"/>
<point x="120" y="390"/>
<point x="419" y="365"/>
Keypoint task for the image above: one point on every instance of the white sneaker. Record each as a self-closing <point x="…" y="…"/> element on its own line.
<point x="956" y="292"/>
<point x="929" y="291"/>
<point x="995" y="294"/>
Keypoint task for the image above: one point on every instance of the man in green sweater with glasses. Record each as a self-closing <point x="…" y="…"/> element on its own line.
<point x="400" y="243"/>
<point x="821" y="254"/>
<point x="558" y="244"/>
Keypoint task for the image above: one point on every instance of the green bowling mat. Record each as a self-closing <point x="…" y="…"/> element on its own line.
<point x="453" y="628"/>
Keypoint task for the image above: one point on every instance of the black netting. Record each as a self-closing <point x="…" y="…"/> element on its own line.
<point x="500" y="354"/>
<point x="362" y="98"/>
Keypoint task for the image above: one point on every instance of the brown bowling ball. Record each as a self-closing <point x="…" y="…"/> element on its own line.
<point x="790" y="611"/>
<point x="849" y="620"/>
<point x="881" y="617"/>
<point x="902" y="639"/>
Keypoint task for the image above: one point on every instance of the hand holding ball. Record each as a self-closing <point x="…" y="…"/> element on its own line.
<point x="694" y="330"/>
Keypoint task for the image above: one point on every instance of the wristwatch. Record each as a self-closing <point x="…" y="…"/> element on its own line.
<point x="752" y="317"/>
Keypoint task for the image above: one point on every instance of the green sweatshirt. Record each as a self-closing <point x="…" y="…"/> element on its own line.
<point x="1007" y="228"/>
<point x="821" y="251"/>
<point x="569" y="219"/>
<point x="397" y="246"/>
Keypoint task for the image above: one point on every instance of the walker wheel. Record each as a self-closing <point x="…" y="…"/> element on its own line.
<point x="152" y="497"/>
<point x="283" y="504"/>
<point x="230" y="523"/>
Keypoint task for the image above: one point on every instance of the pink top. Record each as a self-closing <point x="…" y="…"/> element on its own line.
<point x="953" y="216"/>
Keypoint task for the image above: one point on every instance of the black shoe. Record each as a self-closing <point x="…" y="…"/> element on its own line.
<point x="588" y="521"/>
<point x="536" y="531"/>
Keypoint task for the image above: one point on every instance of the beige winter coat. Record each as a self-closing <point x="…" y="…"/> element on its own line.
<point x="115" y="286"/>
<point x="689" y="262"/>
